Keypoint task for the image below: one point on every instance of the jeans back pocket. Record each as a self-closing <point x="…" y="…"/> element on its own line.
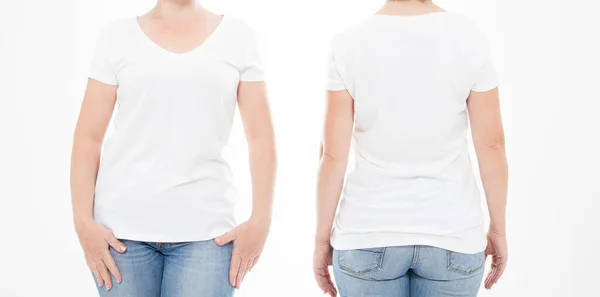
<point x="361" y="261"/>
<point x="465" y="264"/>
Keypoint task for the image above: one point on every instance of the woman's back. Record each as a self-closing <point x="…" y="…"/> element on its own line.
<point x="410" y="77"/>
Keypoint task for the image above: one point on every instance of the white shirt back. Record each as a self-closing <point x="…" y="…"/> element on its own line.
<point x="413" y="182"/>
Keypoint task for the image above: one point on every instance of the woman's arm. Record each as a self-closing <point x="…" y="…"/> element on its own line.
<point x="256" y="118"/>
<point x="339" y="121"/>
<point x="488" y="139"/>
<point x="249" y="237"/>
<point x="96" y="111"/>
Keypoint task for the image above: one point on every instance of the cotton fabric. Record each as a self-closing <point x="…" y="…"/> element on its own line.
<point x="162" y="177"/>
<point x="413" y="181"/>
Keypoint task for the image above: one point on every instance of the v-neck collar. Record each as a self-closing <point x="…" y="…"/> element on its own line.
<point x="191" y="51"/>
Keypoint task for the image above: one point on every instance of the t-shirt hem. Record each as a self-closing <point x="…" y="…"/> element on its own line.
<point x="374" y="240"/>
<point x="146" y="237"/>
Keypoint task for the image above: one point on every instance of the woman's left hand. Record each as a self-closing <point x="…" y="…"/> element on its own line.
<point x="248" y="241"/>
<point x="321" y="262"/>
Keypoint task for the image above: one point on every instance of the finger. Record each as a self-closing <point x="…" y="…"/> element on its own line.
<point x="242" y="273"/>
<point x="331" y="285"/>
<point x="500" y="271"/>
<point x="115" y="243"/>
<point x="325" y="286"/>
<point x="97" y="275"/>
<point x="332" y="292"/>
<point x="105" y="275"/>
<point x="225" y="238"/>
<point x="491" y="275"/>
<point x="318" y="279"/>
<point x="322" y="284"/>
<point x="332" y="289"/>
<point x="254" y="262"/>
<point x="324" y="281"/>
<point x="251" y="264"/>
<point x="112" y="266"/>
<point x="236" y="261"/>
<point x="487" y="283"/>
<point x="488" y="280"/>
<point x="498" y="264"/>
<point x="493" y="267"/>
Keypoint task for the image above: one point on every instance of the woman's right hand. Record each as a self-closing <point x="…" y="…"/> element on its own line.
<point x="96" y="241"/>
<point x="498" y="249"/>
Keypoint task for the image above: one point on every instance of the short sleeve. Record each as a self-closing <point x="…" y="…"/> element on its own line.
<point x="333" y="81"/>
<point x="101" y="68"/>
<point x="253" y="68"/>
<point x="485" y="75"/>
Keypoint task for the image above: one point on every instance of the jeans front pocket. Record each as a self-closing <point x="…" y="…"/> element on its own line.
<point x="465" y="264"/>
<point x="361" y="261"/>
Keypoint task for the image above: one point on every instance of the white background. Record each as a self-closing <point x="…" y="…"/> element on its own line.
<point x="547" y="54"/>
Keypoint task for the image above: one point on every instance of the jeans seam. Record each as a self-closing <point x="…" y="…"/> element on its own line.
<point x="415" y="257"/>
<point x="462" y="271"/>
<point x="359" y="273"/>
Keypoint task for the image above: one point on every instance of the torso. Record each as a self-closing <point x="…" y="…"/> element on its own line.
<point x="162" y="177"/>
<point x="413" y="181"/>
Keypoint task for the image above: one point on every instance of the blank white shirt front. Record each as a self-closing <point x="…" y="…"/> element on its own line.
<point x="413" y="182"/>
<point x="162" y="177"/>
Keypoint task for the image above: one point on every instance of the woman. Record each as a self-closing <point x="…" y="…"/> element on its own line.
<point x="401" y="85"/>
<point x="155" y="216"/>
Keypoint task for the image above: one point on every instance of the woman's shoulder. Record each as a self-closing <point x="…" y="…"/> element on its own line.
<point x="238" y="25"/>
<point x="118" y="29"/>
<point x="462" y="27"/>
<point x="463" y="24"/>
<point x="119" y="25"/>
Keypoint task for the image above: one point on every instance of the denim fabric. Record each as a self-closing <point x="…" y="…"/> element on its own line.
<point x="403" y="271"/>
<point x="187" y="269"/>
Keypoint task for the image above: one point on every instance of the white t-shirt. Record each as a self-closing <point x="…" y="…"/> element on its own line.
<point x="162" y="177"/>
<point x="413" y="182"/>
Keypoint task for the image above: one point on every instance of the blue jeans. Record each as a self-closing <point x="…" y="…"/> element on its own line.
<point x="415" y="271"/>
<point x="186" y="269"/>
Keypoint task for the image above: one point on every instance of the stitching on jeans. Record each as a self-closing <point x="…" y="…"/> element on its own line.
<point x="381" y="259"/>
<point x="415" y="257"/>
<point x="461" y="271"/>
<point x="380" y="255"/>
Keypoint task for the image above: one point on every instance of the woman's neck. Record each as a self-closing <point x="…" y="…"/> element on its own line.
<point x="409" y="7"/>
<point x="175" y="9"/>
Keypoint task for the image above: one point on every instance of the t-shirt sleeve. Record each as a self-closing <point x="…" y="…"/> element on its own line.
<point x="101" y="68"/>
<point x="485" y="75"/>
<point x="252" y="69"/>
<point x="333" y="81"/>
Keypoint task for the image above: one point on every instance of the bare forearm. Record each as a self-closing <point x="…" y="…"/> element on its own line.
<point x="494" y="176"/>
<point x="329" y="188"/>
<point x="84" y="169"/>
<point x="263" y="163"/>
